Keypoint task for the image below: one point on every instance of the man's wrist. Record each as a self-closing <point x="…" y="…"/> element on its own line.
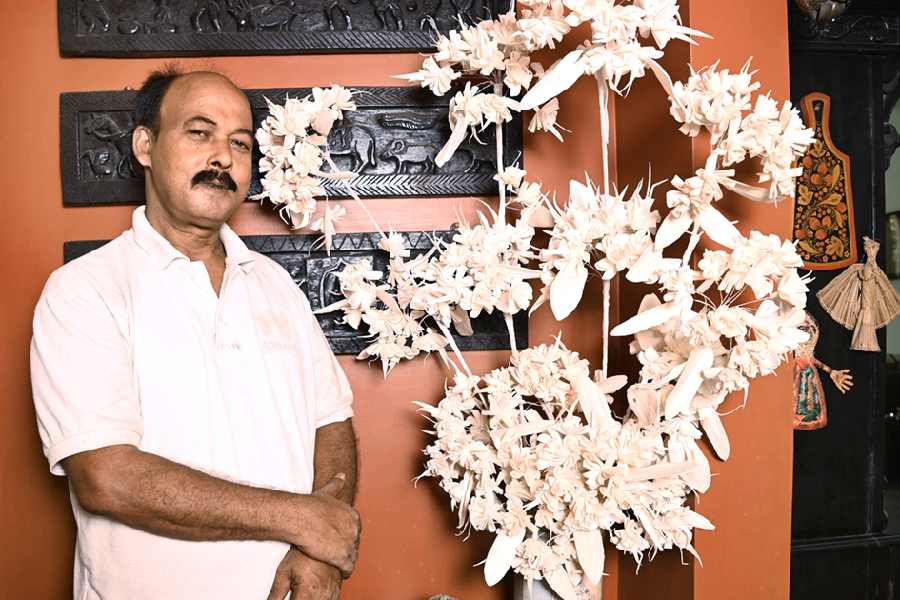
<point x="296" y="510"/>
<point x="282" y="513"/>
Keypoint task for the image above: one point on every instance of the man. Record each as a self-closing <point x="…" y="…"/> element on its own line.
<point x="183" y="385"/>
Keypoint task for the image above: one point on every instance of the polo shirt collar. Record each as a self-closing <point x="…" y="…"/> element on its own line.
<point x="236" y="251"/>
<point x="164" y="253"/>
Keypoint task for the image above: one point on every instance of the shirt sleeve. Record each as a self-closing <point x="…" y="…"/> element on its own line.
<point x="333" y="396"/>
<point x="81" y="372"/>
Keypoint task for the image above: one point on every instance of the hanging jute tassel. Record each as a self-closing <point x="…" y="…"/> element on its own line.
<point x="862" y="299"/>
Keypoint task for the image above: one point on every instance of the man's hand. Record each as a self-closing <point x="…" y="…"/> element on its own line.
<point x="305" y="579"/>
<point x="331" y="528"/>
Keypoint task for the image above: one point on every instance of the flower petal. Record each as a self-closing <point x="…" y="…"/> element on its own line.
<point x="672" y="228"/>
<point x="659" y="471"/>
<point x="561" y="584"/>
<point x="500" y="556"/>
<point x="646" y="319"/>
<point x="591" y="555"/>
<point x="689" y="381"/>
<point x="715" y="432"/>
<point x="456" y="138"/>
<point x="593" y="402"/>
<point x="718" y="228"/>
<point x="555" y="81"/>
<point x="566" y="289"/>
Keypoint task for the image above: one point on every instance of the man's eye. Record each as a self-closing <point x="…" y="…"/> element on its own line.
<point x="202" y="133"/>
<point x="240" y="144"/>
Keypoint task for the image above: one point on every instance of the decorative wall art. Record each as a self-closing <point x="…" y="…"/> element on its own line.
<point x="810" y="410"/>
<point x="317" y="273"/>
<point x="217" y="27"/>
<point x="862" y="299"/>
<point x="823" y="25"/>
<point x="824" y="228"/>
<point x="391" y="142"/>
<point x="531" y="452"/>
<point x="823" y="12"/>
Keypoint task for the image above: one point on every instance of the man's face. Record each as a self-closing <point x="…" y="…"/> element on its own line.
<point x="199" y="163"/>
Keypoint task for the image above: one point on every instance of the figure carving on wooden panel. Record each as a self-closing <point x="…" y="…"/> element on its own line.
<point x="100" y="161"/>
<point x="477" y="162"/>
<point x="206" y="17"/>
<point x="329" y="284"/>
<point x="356" y="142"/>
<point x="411" y="121"/>
<point x="160" y="18"/>
<point x="94" y="16"/>
<point x="338" y="16"/>
<point x="325" y="289"/>
<point x="410" y="156"/>
<point x="389" y="14"/>
<point x="274" y="15"/>
<point x="463" y="9"/>
<point x="112" y="157"/>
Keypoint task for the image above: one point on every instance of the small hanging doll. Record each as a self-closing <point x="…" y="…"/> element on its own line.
<point x="809" y="397"/>
<point x="862" y="299"/>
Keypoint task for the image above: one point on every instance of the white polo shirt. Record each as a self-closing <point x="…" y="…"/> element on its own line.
<point x="132" y="346"/>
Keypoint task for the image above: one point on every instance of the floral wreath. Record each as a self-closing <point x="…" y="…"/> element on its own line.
<point x="532" y="452"/>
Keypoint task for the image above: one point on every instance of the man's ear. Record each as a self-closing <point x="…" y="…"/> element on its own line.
<point x="141" y="142"/>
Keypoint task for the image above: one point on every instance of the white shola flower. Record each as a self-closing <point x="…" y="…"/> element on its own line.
<point x="518" y="75"/>
<point x="293" y="140"/>
<point x="511" y="177"/>
<point x="433" y="76"/>
<point x="544" y="119"/>
<point x="327" y="223"/>
<point x="662" y="21"/>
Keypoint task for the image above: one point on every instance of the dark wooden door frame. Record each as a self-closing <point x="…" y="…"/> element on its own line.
<point x="838" y="546"/>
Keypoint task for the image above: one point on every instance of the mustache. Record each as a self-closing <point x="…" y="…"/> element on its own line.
<point x="220" y="178"/>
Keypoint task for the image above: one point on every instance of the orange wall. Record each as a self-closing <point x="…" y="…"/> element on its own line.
<point x="750" y="500"/>
<point x="748" y="555"/>
<point x="408" y="548"/>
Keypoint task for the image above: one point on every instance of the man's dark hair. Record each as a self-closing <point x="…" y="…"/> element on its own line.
<point x="150" y="97"/>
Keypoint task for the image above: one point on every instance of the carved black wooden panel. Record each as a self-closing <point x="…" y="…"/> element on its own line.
<point x="217" y="27"/>
<point x="874" y="29"/>
<point x="316" y="274"/>
<point x="391" y="141"/>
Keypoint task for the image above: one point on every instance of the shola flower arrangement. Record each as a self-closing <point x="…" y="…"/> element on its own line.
<point x="532" y="452"/>
<point x="292" y="140"/>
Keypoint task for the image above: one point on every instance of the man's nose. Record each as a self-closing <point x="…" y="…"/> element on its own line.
<point x="220" y="157"/>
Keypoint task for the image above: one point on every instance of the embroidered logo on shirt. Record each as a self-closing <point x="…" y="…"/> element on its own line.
<point x="277" y="333"/>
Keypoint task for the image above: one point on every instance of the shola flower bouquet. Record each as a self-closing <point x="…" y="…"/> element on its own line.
<point x="532" y="452"/>
<point x="293" y="139"/>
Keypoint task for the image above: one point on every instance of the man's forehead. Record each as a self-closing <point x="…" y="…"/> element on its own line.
<point x="209" y="94"/>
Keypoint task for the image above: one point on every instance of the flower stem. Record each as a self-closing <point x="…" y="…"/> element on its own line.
<point x="498" y="135"/>
<point x="603" y="96"/>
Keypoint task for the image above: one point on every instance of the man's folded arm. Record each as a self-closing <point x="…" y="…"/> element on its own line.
<point x="336" y="453"/>
<point x="152" y="493"/>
